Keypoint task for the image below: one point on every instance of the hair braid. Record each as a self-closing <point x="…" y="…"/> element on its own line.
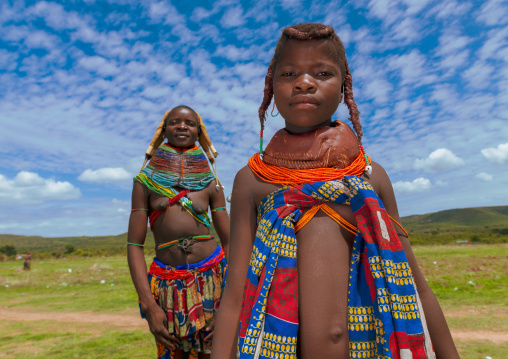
<point x="314" y="31"/>
<point x="354" y="114"/>
<point x="267" y="95"/>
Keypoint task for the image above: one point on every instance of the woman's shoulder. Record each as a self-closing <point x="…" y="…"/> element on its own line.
<point x="378" y="179"/>
<point x="244" y="177"/>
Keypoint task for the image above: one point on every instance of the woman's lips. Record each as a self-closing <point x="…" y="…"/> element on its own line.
<point x="304" y="105"/>
<point x="304" y="102"/>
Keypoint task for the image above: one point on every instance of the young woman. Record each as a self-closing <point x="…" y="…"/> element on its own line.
<point x="185" y="282"/>
<point x="319" y="266"/>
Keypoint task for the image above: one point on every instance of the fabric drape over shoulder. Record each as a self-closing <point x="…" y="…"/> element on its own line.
<point x="385" y="319"/>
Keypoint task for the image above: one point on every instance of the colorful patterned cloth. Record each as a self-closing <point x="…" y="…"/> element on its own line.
<point x="190" y="296"/>
<point x="385" y="318"/>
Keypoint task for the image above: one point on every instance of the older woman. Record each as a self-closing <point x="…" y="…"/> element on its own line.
<point x="186" y="278"/>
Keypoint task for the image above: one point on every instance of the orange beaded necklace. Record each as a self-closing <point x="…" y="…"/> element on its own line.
<point x="293" y="177"/>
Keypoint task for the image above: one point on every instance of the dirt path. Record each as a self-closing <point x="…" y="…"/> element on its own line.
<point x="125" y="320"/>
<point x="133" y="321"/>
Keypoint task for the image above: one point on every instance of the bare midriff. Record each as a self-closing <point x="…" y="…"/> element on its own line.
<point x="176" y="223"/>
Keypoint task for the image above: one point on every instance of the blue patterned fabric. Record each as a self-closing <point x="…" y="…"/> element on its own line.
<point x="384" y="321"/>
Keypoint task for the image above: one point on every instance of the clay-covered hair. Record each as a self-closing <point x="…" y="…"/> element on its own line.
<point x="314" y="31"/>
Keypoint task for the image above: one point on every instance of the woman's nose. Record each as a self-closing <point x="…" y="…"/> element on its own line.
<point x="305" y="83"/>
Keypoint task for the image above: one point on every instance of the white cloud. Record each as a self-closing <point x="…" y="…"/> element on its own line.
<point x="377" y="89"/>
<point x="497" y="40"/>
<point x="104" y="175"/>
<point x="290" y="4"/>
<point x="99" y="65"/>
<point x="494" y="12"/>
<point x="41" y="40"/>
<point x="441" y="159"/>
<point x="8" y="60"/>
<point x="450" y="9"/>
<point x="233" y="17"/>
<point x="415" y="6"/>
<point x="163" y="11"/>
<point x="412" y="67"/>
<point x="483" y="176"/>
<point x="56" y="17"/>
<point x="419" y="184"/>
<point x="479" y="75"/>
<point x="29" y="188"/>
<point x="232" y="53"/>
<point x="498" y="155"/>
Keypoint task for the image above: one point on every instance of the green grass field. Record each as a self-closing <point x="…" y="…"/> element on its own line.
<point x="86" y="307"/>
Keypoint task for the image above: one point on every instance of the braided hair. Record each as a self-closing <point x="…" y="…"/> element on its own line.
<point x="314" y="31"/>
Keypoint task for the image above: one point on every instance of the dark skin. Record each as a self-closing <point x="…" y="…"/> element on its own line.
<point x="307" y="91"/>
<point x="181" y="130"/>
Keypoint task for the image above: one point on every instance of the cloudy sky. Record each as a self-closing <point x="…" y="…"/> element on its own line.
<point x="83" y="84"/>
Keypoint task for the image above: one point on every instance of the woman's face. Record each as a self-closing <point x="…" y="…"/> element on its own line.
<point x="307" y="85"/>
<point x="182" y="128"/>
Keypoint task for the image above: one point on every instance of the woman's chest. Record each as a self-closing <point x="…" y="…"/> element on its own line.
<point x="198" y="200"/>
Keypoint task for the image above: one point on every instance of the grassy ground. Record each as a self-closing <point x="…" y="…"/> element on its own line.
<point x="469" y="281"/>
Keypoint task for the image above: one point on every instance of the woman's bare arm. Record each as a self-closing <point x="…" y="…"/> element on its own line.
<point x="220" y="218"/>
<point x="243" y="230"/>
<point x="438" y="329"/>
<point x="137" y="265"/>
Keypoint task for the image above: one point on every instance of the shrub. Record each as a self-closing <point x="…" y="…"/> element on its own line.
<point x="69" y="248"/>
<point x="8" y="250"/>
<point x="475" y="238"/>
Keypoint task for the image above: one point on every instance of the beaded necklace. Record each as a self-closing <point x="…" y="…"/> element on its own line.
<point x="179" y="167"/>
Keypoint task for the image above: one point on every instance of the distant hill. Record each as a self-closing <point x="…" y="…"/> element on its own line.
<point x="479" y="224"/>
<point x="476" y="224"/>
<point x="88" y="246"/>
<point x="464" y="217"/>
<point x="58" y="246"/>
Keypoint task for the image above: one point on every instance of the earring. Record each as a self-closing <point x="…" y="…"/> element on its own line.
<point x="273" y="108"/>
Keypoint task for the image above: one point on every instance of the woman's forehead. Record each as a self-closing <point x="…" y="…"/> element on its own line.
<point x="319" y="50"/>
<point x="180" y="112"/>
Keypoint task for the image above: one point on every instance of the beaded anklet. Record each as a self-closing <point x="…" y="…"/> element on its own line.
<point x="218" y="209"/>
<point x="136" y="244"/>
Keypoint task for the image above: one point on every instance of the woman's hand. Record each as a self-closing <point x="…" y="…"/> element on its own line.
<point x="209" y="328"/>
<point x="158" y="323"/>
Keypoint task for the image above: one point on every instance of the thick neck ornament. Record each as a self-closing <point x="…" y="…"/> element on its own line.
<point x="326" y="154"/>
<point x="179" y="167"/>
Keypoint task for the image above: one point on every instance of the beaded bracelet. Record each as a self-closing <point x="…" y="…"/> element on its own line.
<point x="136" y="244"/>
<point x="218" y="209"/>
<point x="139" y="209"/>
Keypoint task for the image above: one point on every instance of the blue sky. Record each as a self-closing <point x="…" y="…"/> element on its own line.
<point x="83" y="84"/>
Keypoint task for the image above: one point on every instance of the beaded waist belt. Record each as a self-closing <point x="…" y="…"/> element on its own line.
<point x="184" y="243"/>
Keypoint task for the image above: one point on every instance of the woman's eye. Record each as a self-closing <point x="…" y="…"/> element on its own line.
<point x="324" y="73"/>
<point x="287" y="74"/>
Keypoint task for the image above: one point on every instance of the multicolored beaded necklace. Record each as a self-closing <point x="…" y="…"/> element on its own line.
<point x="179" y="167"/>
